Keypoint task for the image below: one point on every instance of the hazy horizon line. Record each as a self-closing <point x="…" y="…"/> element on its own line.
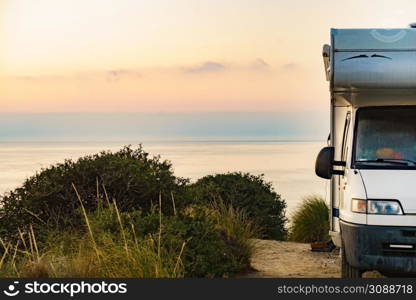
<point x="194" y="139"/>
<point x="122" y="126"/>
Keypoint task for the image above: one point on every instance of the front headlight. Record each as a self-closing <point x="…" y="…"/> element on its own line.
<point x="384" y="207"/>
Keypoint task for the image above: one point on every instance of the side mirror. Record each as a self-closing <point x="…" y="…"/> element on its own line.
<point x="324" y="166"/>
<point x="325" y="162"/>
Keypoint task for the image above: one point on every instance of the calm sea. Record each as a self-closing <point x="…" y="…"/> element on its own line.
<point x="288" y="165"/>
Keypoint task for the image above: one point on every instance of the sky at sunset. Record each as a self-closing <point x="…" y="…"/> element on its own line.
<point x="175" y="56"/>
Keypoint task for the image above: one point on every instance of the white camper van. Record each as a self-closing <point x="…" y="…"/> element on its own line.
<point x="371" y="154"/>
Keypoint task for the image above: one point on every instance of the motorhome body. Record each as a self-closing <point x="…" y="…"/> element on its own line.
<point x="371" y="158"/>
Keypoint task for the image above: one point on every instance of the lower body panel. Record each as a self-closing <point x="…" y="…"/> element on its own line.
<point x="388" y="249"/>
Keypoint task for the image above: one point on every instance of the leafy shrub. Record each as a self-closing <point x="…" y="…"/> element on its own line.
<point x="248" y="192"/>
<point x="310" y="222"/>
<point x="48" y="198"/>
<point x="217" y="238"/>
<point x="121" y="244"/>
<point x="160" y="226"/>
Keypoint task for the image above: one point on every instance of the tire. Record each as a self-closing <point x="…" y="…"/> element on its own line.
<point x="348" y="271"/>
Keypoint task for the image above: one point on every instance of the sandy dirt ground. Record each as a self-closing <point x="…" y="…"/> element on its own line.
<point x="287" y="259"/>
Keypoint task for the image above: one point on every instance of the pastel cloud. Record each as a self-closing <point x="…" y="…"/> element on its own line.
<point x="260" y="64"/>
<point x="206" y="67"/>
<point x="113" y="75"/>
<point x="290" y="66"/>
<point x="117" y="74"/>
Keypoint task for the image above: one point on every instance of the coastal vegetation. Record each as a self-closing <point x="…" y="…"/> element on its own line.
<point x="126" y="214"/>
<point x="310" y="221"/>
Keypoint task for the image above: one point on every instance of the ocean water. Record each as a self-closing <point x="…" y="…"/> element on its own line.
<point x="288" y="165"/>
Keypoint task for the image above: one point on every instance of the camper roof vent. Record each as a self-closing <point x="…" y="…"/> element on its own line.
<point x="412" y="25"/>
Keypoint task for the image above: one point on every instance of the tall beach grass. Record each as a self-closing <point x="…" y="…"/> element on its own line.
<point x="111" y="247"/>
<point x="310" y="221"/>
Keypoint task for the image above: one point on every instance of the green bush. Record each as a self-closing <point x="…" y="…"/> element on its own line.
<point x="48" y="198"/>
<point x="248" y="192"/>
<point x="310" y="222"/>
<point x="217" y="239"/>
<point x="194" y="243"/>
<point x="162" y="226"/>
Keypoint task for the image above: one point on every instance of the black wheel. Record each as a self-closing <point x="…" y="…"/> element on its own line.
<point x="348" y="271"/>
